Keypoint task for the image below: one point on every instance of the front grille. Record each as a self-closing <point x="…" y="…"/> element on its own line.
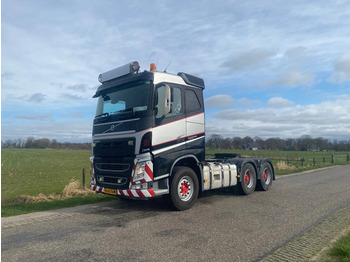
<point x="113" y="171"/>
<point x="120" y="181"/>
<point x="116" y="147"/>
<point x="108" y="167"/>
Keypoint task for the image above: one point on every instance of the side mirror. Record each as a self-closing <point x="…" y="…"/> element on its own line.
<point x="167" y="100"/>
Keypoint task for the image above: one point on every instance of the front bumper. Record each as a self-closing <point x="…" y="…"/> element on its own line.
<point x="144" y="188"/>
<point x="137" y="193"/>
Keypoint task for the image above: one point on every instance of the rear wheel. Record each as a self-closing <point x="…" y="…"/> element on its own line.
<point x="248" y="180"/>
<point x="266" y="177"/>
<point x="184" y="188"/>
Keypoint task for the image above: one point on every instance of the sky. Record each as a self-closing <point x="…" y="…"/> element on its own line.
<point x="271" y="68"/>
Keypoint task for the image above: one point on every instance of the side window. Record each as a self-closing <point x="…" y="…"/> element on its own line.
<point x="161" y="101"/>
<point x="192" y="101"/>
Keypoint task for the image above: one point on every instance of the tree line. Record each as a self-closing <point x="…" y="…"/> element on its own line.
<point x="31" y="142"/>
<point x="303" y="143"/>
<point x="215" y="141"/>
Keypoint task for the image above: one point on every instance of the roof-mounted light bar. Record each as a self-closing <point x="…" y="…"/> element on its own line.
<point x="127" y="69"/>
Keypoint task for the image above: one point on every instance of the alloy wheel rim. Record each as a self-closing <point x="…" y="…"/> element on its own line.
<point x="185" y="188"/>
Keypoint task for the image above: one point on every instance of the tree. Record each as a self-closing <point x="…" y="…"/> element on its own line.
<point x="237" y="143"/>
<point x="260" y="142"/>
<point x="41" y="143"/>
<point x="215" y="141"/>
<point x="226" y="143"/>
<point x="246" y="141"/>
<point x="53" y="143"/>
<point x="29" y="142"/>
<point x="275" y="144"/>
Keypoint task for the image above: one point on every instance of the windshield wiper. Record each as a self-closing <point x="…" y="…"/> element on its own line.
<point x="104" y="114"/>
<point x="124" y="110"/>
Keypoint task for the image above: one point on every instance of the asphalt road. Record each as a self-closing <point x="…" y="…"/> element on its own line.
<point x="220" y="227"/>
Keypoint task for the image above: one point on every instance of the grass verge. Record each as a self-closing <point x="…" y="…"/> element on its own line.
<point x="341" y="250"/>
<point x="72" y="195"/>
<point x="25" y="208"/>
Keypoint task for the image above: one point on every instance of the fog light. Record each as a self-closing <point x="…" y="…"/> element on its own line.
<point x="100" y="179"/>
<point x="136" y="186"/>
<point x="140" y="186"/>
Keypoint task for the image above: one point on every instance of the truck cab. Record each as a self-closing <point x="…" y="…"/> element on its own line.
<point x="149" y="128"/>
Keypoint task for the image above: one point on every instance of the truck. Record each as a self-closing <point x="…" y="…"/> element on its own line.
<point x="148" y="140"/>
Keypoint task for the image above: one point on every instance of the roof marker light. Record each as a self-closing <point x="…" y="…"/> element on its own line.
<point x="153" y="67"/>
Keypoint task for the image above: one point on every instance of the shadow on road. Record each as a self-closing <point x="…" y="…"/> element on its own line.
<point x="158" y="205"/>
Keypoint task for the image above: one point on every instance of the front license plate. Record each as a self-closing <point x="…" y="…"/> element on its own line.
<point x="110" y="191"/>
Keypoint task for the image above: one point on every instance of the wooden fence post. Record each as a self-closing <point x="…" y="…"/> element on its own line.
<point x="332" y="159"/>
<point x="83" y="178"/>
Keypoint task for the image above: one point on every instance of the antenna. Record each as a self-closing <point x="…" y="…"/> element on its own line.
<point x="167" y="67"/>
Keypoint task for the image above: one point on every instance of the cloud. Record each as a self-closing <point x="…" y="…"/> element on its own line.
<point x="250" y="45"/>
<point x="74" y="115"/>
<point x="248" y="60"/>
<point x="44" y="117"/>
<point x="6" y="75"/>
<point x="291" y="79"/>
<point x="342" y="70"/>
<point x="36" y="98"/>
<point x="279" y="102"/>
<point x="72" y="97"/>
<point x="244" y="102"/>
<point x="295" y="52"/>
<point x="78" y="87"/>
<point x="329" y="119"/>
<point x="219" y="102"/>
<point x="70" y="131"/>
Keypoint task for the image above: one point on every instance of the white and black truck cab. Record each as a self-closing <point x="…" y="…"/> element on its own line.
<point x="149" y="140"/>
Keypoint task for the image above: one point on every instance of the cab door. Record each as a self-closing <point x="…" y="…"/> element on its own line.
<point x="170" y="125"/>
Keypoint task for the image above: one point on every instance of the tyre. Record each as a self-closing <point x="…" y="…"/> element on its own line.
<point x="248" y="180"/>
<point x="266" y="177"/>
<point x="184" y="188"/>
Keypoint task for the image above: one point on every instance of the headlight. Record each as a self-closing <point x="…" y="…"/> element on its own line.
<point x="139" y="171"/>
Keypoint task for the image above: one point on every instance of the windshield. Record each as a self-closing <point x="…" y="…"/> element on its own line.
<point x="129" y="98"/>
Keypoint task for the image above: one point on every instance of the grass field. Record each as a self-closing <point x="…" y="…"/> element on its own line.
<point x="286" y="162"/>
<point x="34" y="171"/>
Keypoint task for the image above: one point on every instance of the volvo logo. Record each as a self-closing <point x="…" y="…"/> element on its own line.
<point x="112" y="127"/>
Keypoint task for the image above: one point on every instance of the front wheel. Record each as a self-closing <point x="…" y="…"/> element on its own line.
<point x="184" y="188"/>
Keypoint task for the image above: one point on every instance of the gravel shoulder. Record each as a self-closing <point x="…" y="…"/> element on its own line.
<point x="314" y="243"/>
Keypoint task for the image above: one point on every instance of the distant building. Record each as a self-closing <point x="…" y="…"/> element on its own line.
<point x="252" y="146"/>
<point x="314" y="148"/>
